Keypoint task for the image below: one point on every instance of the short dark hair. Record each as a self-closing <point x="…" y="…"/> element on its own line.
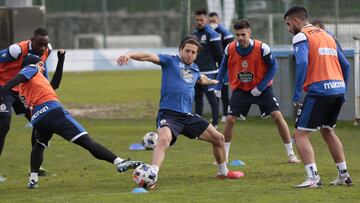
<point x="241" y="24"/>
<point x="30" y="59"/>
<point x="318" y="22"/>
<point x="190" y="40"/>
<point x="201" y="12"/>
<point x="212" y="14"/>
<point x="297" y="11"/>
<point x="41" y="31"/>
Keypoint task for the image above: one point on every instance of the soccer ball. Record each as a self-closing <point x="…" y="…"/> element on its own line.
<point x="149" y="140"/>
<point x="145" y="176"/>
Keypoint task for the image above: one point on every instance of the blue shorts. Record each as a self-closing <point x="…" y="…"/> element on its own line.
<point x="319" y="111"/>
<point x="241" y="102"/>
<point x="190" y="125"/>
<point x="57" y="121"/>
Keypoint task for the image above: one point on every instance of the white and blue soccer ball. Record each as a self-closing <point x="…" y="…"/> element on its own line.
<point x="145" y="176"/>
<point x="150" y="140"/>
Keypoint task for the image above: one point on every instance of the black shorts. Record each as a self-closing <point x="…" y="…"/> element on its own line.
<point x="241" y="102"/>
<point x="12" y="99"/>
<point x="190" y="125"/>
<point x="58" y="121"/>
<point x="318" y="111"/>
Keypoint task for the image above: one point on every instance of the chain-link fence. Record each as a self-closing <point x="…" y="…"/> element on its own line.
<point x="110" y="23"/>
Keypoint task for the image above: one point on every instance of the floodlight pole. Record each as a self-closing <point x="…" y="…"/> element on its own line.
<point x="356" y="79"/>
<point x="105" y="23"/>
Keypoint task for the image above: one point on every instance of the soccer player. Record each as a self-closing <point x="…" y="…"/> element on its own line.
<point x="322" y="72"/>
<point x="251" y="68"/>
<point x="48" y="117"/>
<point x="207" y="61"/>
<point x="10" y="64"/>
<point x="226" y="38"/>
<point x="179" y="76"/>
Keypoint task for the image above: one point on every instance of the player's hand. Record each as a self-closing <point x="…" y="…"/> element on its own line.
<point x="123" y="60"/>
<point x="213" y="82"/>
<point x="217" y="93"/>
<point x="61" y="54"/>
<point x="255" y="92"/>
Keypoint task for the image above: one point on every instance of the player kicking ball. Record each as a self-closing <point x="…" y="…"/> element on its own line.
<point x="179" y="76"/>
<point x="49" y="116"/>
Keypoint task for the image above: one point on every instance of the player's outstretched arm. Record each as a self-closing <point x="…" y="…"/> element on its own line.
<point x="56" y="79"/>
<point x="204" y="80"/>
<point x="139" y="56"/>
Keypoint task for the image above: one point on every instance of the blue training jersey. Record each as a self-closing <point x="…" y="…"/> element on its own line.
<point x="177" y="83"/>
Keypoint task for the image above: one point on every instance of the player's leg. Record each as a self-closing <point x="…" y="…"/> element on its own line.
<point x="5" y="120"/>
<point x="63" y="124"/>
<point x="224" y="101"/>
<point x="5" y="117"/>
<point x="164" y="140"/>
<point x="199" y="102"/>
<point x="239" y="107"/>
<point x="334" y="144"/>
<point x="37" y="153"/>
<point x="308" y="119"/>
<point x="217" y="140"/>
<point x="214" y="104"/>
<point x="270" y="107"/>
<point x="284" y="133"/>
<point x="19" y="108"/>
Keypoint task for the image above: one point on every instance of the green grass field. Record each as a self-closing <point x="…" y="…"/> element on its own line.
<point x="131" y="99"/>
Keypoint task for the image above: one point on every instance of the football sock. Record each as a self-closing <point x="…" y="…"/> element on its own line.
<point x="289" y="149"/>
<point x="342" y="169"/>
<point x="311" y="170"/>
<point x="227" y="149"/>
<point x="156" y="168"/>
<point x="222" y="169"/>
<point x="117" y="161"/>
<point x="34" y="176"/>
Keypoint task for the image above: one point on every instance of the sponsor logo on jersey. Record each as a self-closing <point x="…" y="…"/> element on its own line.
<point x="334" y="85"/>
<point x="187" y="75"/>
<point x="245" y="76"/>
<point x="3" y="55"/>
<point x="327" y="51"/>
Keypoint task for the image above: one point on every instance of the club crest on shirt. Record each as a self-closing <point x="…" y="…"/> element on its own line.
<point x="3" y="108"/>
<point x="187" y="75"/>
<point x="244" y="64"/>
<point x="203" y="38"/>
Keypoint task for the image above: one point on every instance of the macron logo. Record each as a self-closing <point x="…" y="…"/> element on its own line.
<point x="333" y="85"/>
<point x="3" y="55"/>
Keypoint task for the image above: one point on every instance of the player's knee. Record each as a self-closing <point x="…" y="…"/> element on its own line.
<point x="231" y="119"/>
<point x="219" y="139"/>
<point x="163" y="140"/>
<point x="276" y="116"/>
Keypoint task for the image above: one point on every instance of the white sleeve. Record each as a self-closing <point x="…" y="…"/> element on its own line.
<point x="49" y="46"/>
<point x="15" y="51"/>
<point x="299" y="37"/>
<point x="266" y="49"/>
<point x="226" y="52"/>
